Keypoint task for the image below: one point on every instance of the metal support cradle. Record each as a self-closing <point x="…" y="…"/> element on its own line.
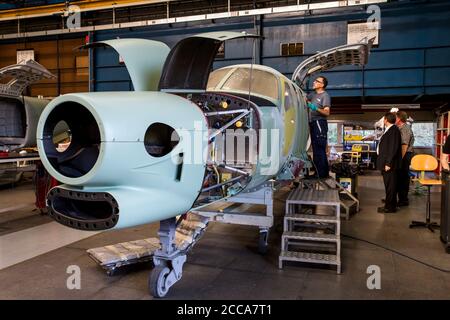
<point x="347" y="199"/>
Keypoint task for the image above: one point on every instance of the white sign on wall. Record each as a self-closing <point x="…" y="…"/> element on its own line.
<point x="24" y="55"/>
<point x="358" y="31"/>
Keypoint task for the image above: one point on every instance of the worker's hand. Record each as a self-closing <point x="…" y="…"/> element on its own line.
<point x="387" y="168"/>
<point x="312" y="106"/>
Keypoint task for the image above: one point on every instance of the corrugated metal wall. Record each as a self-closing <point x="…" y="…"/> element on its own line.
<point x="412" y="58"/>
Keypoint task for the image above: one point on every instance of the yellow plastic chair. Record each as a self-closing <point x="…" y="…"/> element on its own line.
<point x="356" y="153"/>
<point x="425" y="163"/>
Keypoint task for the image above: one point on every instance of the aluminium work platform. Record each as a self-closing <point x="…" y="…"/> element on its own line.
<point x="295" y="214"/>
<point x="348" y="201"/>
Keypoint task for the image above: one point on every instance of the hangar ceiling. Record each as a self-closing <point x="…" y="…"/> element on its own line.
<point x="106" y="12"/>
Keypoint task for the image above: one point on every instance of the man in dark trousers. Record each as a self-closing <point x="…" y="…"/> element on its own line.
<point x="389" y="160"/>
<point x="403" y="179"/>
<point x="319" y="103"/>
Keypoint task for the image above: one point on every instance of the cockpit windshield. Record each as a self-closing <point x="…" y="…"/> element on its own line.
<point x="263" y="83"/>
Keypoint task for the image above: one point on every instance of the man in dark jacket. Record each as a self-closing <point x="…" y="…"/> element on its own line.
<point x="389" y="161"/>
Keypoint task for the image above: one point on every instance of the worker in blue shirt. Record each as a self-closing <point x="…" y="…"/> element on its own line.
<point x="319" y="103"/>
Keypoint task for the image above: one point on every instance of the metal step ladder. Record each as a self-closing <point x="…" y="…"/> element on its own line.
<point x="348" y="200"/>
<point x="312" y="244"/>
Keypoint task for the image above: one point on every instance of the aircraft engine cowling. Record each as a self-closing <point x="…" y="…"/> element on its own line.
<point x="125" y="158"/>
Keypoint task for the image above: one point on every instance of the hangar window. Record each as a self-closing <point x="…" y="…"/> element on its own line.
<point x="423" y="134"/>
<point x="291" y="49"/>
<point x="263" y="83"/>
<point x="333" y="133"/>
<point x="160" y="139"/>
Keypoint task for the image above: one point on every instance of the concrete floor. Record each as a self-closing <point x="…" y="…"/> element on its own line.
<point x="225" y="265"/>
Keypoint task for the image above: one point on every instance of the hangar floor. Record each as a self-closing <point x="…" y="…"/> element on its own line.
<point x="35" y="253"/>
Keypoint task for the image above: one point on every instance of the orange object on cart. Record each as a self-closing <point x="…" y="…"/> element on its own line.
<point x="43" y="183"/>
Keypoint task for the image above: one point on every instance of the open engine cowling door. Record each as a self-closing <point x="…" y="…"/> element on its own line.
<point x="143" y="58"/>
<point x="349" y="54"/>
<point x="189" y="62"/>
<point x="22" y="75"/>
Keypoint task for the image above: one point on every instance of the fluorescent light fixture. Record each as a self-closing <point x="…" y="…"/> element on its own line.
<point x="324" y="5"/>
<point x="218" y="15"/>
<point x="255" y="12"/>
<point x="191" y="18"/>
<point x="390" y="106"/>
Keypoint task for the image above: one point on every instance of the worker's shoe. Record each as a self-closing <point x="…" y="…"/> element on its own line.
<point x="386" y="210"/>
<point x="294" y="185"/>
<point x="402" y="204"/>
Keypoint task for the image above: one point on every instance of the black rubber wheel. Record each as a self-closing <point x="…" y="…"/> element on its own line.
<point x="111" y="272"/>
<point x="262" y="243"/>
<point x="156" y="281"/>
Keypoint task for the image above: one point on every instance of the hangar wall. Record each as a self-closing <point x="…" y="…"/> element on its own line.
<point x="411" y="63"/>
<point x="412" y="58"/>
<point x="70" y="67"/>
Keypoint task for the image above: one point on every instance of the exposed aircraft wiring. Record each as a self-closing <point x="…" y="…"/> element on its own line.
<point x="218" y="180"/>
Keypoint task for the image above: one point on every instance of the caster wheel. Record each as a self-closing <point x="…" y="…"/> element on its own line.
<point x="262" y="243"/>
<point x="111" y="272"/>
<point x="157" y="280"/>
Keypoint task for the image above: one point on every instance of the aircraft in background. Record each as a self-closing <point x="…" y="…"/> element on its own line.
<point x="19" y="115"/>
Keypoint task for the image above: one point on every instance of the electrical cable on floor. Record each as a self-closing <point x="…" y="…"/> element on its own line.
<point x="396" y="252"/>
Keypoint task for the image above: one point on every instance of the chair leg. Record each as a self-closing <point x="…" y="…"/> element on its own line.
<point x="426" y="224"/>
<point x="417" y="224"/>
<point x="432" y="226"/>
